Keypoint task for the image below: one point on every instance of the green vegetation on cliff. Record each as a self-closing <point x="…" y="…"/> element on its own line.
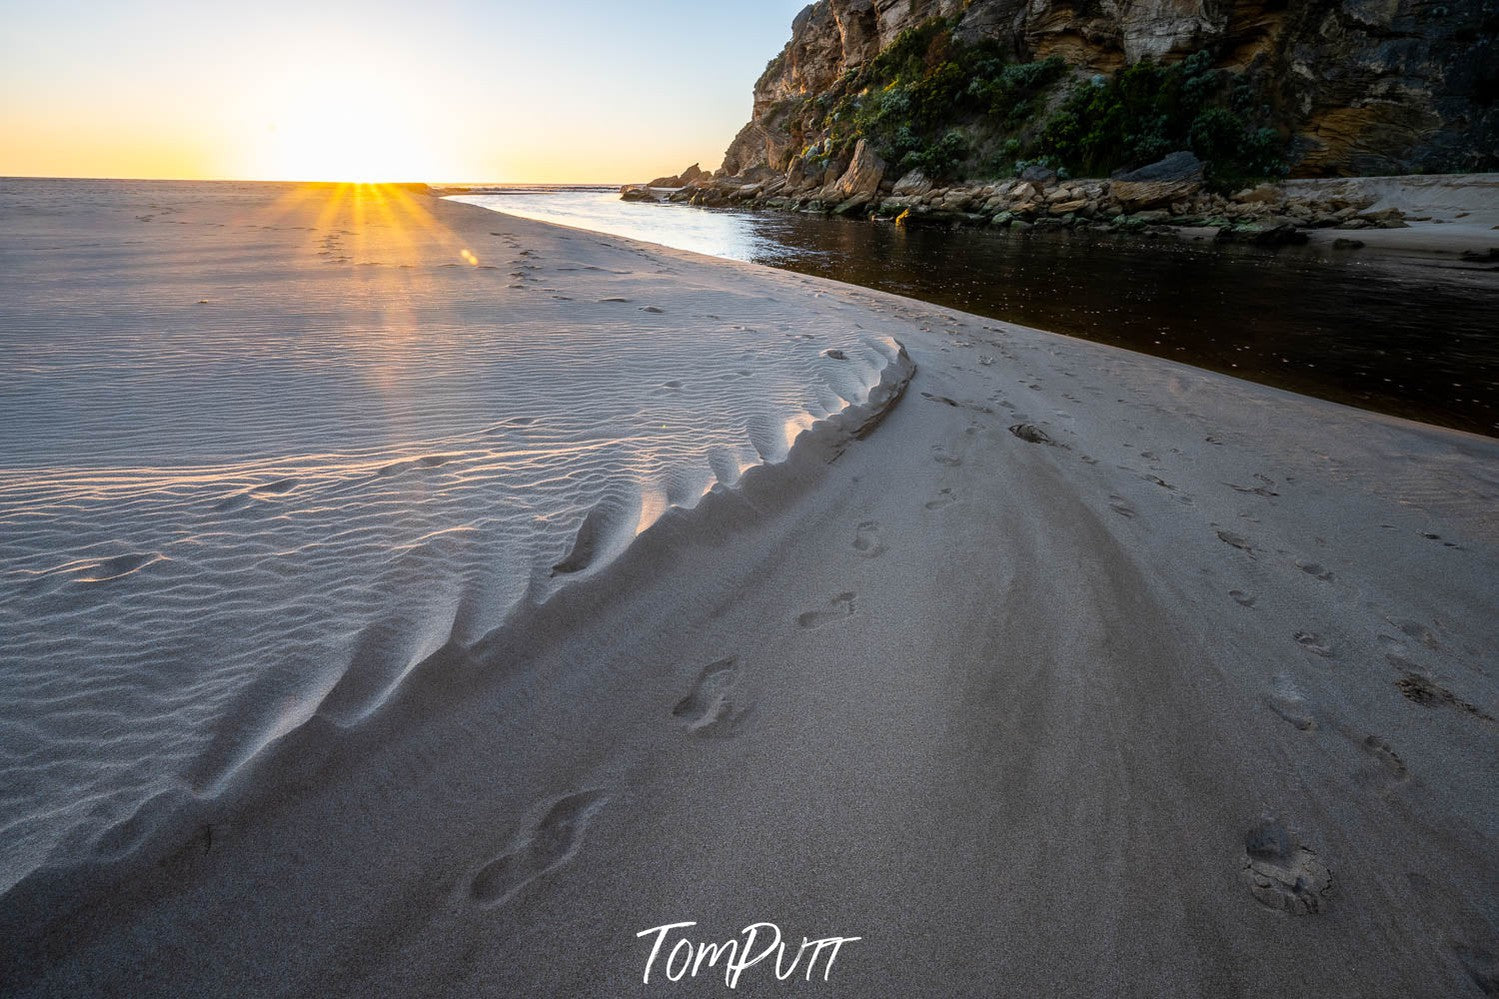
<point x="1148" y="110"/>
<point x="932" y="102"/>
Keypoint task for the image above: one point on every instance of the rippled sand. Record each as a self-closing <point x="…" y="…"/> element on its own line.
<point x="269" y="447"/>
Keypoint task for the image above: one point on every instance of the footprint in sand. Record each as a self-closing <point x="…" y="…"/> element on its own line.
<point x="1285" y="700"/>
<point x="1445" y="544"/>
<point x="1421" y="633"/>
<point x="1031" y="434"/>
<point x="1422" y="690"/>
<point x="867" y="539"/>
<point x="1284" y="874"/>
<point x="545" y="847"/>
<point x="1389" y="761"/>
<point x="708" y="708"/>
<point x="941" y="457"/>
<point x="1482" y="967"/>
<point x="1230" y="538"/>
<point x="840" y="607"/>
<point x="1121" y="506"/>
<point x="1243" y="599"/>
<point x="1315" y="571"/>
<point x="1314" y="643"/>
<point x="944" y="498"/>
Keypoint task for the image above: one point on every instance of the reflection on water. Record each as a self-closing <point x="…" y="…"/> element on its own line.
<point x="1408" y="334"/>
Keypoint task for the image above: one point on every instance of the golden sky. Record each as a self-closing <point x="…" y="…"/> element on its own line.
<point x="457" y="90"/>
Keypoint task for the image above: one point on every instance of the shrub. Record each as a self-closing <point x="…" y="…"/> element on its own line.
<point x="940" y="158"/>
<point x="1012" y="92"/>
<point x="917" y="100"/>
<point x="1148" y="110"/>
<point x="1234" y="153"/>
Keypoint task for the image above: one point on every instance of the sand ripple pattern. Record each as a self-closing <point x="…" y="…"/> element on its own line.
<point x="211" y="511"/>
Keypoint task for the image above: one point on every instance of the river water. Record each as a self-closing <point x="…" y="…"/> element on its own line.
<point x="1411" y="334"/>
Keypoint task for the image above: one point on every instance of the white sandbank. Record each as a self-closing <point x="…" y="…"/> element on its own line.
<point x="1448" y="213"/>
<point x="1183" y="685"/>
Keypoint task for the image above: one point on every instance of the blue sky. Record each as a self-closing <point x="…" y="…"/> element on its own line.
<point x="445" y="90"/>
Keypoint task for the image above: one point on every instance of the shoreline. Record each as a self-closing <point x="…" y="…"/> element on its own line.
<point x="1076" y="281"/>
<point x="966" y="641"/>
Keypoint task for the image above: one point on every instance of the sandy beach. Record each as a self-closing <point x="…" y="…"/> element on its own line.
<point x="1038" y="666"/>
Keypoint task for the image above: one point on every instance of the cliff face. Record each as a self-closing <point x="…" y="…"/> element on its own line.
<point x="1352" y="86"/>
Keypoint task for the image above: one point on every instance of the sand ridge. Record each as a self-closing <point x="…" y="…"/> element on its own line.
<point x="274" y="446"/>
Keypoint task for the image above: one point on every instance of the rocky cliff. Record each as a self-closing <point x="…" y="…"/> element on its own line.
<point x="1338" y="87"/>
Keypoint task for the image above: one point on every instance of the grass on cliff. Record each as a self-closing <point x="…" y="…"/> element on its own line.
<point x="952" y="109"/>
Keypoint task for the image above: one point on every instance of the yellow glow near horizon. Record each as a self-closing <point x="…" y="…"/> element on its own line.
<point x="479" y="91"/>
<point x="343" y="123"/>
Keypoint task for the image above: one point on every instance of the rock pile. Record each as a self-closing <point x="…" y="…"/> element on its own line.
<point x="1169" y="193"/>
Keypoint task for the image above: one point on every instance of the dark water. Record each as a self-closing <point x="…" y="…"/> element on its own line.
<point x="1411" y="334"/>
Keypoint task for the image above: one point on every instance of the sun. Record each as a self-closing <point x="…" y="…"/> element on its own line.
<point x="342" y="125"/>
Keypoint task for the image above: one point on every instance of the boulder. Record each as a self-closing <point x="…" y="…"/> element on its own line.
<point x="957" y="199"/>
<point x="1386" y="215"/>
<point x="1176" y="178"/>
<point x="915" y="182"/>
<point x="1035" y="173"/>
<point x="852" y="204"/>
<point x="864" y="173"/>
<point x="1267" y="233"/>
<point x="637" y="192"/>
<point x="1267" y="194"/>
<point x="798" y="177"/>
